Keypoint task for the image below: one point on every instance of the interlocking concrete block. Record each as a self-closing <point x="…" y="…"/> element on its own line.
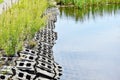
<point x="42" y="46"/>
<point x="26" y="65"/>
<point x="45" y="49"/>
<point x="45" y="65"/>
<point x="44" y="71"/>
<point x="27" y="57"/>
<point x="45" y="54"/>
<point x="58" y="71"/>
<point x="20" y="75"/>
<point x="29" y="51"/>
<point x="45" y="60"/>
<point x="5" y="76"/>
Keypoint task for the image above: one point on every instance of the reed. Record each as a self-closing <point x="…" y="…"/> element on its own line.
<point x="88" y="3"/>
<point x="20" y="23"/>
<point x="1" y="1"/>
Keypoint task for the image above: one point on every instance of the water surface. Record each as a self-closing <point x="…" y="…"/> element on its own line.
<point x="88" y="45"/>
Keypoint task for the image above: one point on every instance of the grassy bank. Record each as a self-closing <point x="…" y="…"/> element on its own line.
<point x="20" y="23"/>
<point x="1" y="1"/>
<point x="88" y="3"/>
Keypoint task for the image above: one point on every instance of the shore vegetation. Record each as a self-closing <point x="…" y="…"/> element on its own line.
<point x="20" y="23"/>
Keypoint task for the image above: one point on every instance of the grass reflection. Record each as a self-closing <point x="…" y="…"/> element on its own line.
<point x="86" y="13"/>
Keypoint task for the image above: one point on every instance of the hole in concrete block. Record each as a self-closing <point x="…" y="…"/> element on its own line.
<point x="45" y="49"/>
<point x="2" y="77"/>
<point x="28" y="64"/>
<point x="43" y="58"/>
<point x="49" y="61"/>
<point x="28" y="77"/>
<point x="43" y="64"/>
<point x="60" y="74"/>
<point x="59" y="67"/>
<point x="37" y="38"/>
<point x="44" y="53"/>
<point x="49" y="56"/>
<point x="21" y="64"/>
<point x="49" y="38"/>
<point x="49" y="67"/>
<point x="20" y="74"/>
<point x="32" y="52"/>
<point x="49" y="41"/>
<point x="27" y="50"/>
<point x="31" y="57"/>
<point x="3" y="58"/>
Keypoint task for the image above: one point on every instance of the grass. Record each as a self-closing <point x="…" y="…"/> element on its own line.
<point x="88" y="3"/>
<point x="1" y="1"/>
<point x="20" y="23"/>
<point x="91" y="12"/>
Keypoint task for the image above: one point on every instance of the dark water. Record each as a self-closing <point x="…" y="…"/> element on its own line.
<point x="88" y="45"/>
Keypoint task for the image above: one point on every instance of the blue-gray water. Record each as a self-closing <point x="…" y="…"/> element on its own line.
<point x="89" y="48"/>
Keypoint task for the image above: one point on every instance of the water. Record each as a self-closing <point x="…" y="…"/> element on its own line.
<point x="88" y="45"/>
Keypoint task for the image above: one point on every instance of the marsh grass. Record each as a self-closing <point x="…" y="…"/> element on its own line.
<point x="20" y="23"/>
<point x="88" y="3"/>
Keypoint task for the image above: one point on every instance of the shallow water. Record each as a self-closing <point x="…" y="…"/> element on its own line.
<point x="88" y="45"/>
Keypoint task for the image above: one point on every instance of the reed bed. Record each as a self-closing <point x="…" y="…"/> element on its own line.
<point x="87" y="3"/>
<point x="20" y="23"/>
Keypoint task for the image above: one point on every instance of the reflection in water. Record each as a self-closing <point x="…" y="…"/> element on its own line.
<point x="87" y="13"/>
<point x="89" y="50"/>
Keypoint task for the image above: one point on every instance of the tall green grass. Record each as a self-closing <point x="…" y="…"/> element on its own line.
<point x="1" y="1"/>
<point x="88" y="3"/>
<point x="20" y="23"/>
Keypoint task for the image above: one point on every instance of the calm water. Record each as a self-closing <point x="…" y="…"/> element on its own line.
<point x="88" y="45"/>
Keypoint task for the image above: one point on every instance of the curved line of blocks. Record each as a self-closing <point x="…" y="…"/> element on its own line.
<point x="37" y="63"/>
